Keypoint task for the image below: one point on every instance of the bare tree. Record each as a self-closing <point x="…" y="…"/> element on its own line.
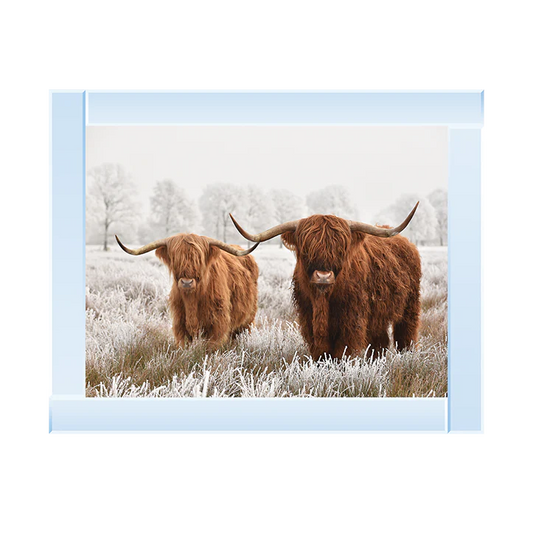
<point x="286" y="206"/>
<point x="332" y="200"/>
<point x="110" y="192"/>
<point x="423" y="227"/>
<point x="172" y="210"/>
<point x="439" y="200"/>
<point x="216" y="202"/>
<point x="255" y="208"/>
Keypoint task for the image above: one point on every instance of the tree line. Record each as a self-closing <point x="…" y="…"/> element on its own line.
<point x="111" y="207"/>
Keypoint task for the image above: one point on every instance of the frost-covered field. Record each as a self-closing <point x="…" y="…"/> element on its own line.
<point x="130" y="349"/>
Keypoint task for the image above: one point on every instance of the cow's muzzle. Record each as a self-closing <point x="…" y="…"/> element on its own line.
<point x="187" y="284"/>
<point x="322" y="278"/>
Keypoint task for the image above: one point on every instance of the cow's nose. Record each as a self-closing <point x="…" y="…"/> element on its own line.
<point x="186" y="283"/>
<point x="323" y="278"/>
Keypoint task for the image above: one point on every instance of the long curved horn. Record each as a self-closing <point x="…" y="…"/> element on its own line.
<point x="269" y="233"/>
<point x="382" y="232"/>
<point x="143" y="249"/>
<point x="230" y="249"/>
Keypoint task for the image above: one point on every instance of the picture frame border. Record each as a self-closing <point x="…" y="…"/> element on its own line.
<point x="72" y="111"/>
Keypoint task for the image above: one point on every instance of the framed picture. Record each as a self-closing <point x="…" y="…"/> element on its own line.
<point x="266" y="261"/>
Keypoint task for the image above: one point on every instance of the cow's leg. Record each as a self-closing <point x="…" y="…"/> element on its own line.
<point x="178" y="314"/>
<point x="220" y="328"/>
<point x="192" y="322"/>
<point x="180" y="332"/>
<point x="305" y="321"/>
<point x="304" y="313"/>
<point x="353" y="338"/>
<point x="340" y="349"/>
<point x="241" y="329"/>
<point x="406" y="330"/>
<point x="321" y="341"/>
<point x="378" y="343"/>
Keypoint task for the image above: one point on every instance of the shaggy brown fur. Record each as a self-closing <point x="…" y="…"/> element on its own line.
<point x="377" y="284"/>
<point x="223" y="299"/>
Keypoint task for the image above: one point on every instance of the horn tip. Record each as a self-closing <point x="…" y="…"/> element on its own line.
<point x="122" y="246"/>
<point x="250" y="250"/>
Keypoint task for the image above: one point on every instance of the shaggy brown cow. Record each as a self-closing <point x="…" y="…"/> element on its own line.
<point x="350" y="283"/>
<point x="214" y="291"/>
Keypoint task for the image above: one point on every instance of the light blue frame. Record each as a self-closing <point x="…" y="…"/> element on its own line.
<point x="72" y="111"/>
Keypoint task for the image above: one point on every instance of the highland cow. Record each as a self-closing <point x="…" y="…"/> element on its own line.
<point x="352" y="281"/>
<point x="214" y="289"/>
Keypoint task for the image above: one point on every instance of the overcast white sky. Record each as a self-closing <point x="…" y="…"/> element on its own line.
<point x="376" y="163"/>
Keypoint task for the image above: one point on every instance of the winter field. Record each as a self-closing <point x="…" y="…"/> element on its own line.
<point x="130" y="351"/>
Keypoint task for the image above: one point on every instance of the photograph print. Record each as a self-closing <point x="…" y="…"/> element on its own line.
<point x="266" y="261"/>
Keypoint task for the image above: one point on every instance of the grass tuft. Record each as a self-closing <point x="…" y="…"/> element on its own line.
<point x="130" y="351"/>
